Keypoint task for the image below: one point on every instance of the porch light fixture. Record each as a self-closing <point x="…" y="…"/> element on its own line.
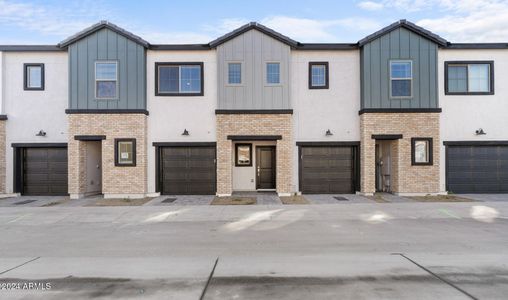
<point x="185" y="132"/>
<point x="41" y="133"/>
<point x="328" y="133"/>
<point x="480" y="132"/>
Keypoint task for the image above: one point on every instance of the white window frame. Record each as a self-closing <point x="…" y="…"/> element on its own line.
<point x="241" y="73"/>
<point x="407" y="78"/>
<point x="97" y="80"/>
<point x="266" y="73"/>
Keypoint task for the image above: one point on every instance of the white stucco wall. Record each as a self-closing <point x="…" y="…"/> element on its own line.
<point x="30" y="111"/>
<point x="316" y="110"/>
<point x="463" y="115"/>
<point x="169" y="116"/>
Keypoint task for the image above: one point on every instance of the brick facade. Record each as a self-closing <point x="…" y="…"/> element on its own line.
<point x="2" y="157"/>
<point x="405" y="178"/>
<point x="254" y="124"/>
<point x="116" y="181"/>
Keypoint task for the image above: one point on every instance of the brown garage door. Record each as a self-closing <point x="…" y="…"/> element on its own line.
<point x="45" y="171"/>
<point x="187" y="170"/>
<point x="327" y="170"/>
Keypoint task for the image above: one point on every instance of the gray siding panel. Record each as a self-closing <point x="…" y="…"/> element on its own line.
<point x="107" y="45"/>
<point x="253" y="49"/>
<point x="399" y="44"/>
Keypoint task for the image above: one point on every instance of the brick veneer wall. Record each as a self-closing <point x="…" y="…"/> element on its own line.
<point x="126" y="181"/>
<point x="254" y="124"/>
<point x="405" y="178"/>
<point x="2" y="157"/>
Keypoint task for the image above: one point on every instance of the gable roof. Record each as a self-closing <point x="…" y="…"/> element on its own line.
<point x="253" y="25"/>
<point x="409" y="26"/>
<point x="98" y="26"/>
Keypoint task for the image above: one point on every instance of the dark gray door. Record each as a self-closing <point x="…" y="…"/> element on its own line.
<point x="45" y="171"/>
<point x="187" y="170"/>
<point x="477" y="169"/>
<point x="265" y="167"/>
<point x="327" y="170"/>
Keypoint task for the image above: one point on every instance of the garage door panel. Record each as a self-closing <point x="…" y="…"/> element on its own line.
<point x="188" y="170"/>
<point x="477" y="169"/>
<point x="326" y="169"/>
<point x="45" y="171"/>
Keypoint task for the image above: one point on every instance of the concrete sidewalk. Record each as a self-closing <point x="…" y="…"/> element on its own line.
<point x="451" y="251"/>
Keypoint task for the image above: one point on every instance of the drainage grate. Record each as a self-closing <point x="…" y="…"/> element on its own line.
<point x="168" y="200"/>
<point x="340" y="198"/>
<point x="24" y="202"/>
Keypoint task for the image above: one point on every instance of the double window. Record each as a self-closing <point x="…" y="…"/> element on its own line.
<point x="469" y="78"/>
<point x="318" y="75"/>
<point x="179" y="79"/>
<point x="125" y="152"/>
<point x="33" y="77"/>
<point x="106" y="80"/>
<point x="273" y="73"/>
<point x="401" y="79"/>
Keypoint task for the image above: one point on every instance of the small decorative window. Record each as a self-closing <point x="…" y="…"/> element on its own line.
<point x="273" y="73"/>
<point x="401" y="79"/>
<point x="234" y="73"/>
<point x="125" y="152"/>
<point x="421" y="151"/>
<point x="469" y="78"/>
<point x="106" y="80"/>
<point x="243" y="155"/>
<point x="318" y="75"/>
<point x="33" y="77"/>
<point x="179" y="79"/>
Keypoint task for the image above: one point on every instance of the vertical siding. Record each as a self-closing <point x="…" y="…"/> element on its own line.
<point x="253" y="49"/>
<point x="107" y="45"/>
<point x="404" y="45"/>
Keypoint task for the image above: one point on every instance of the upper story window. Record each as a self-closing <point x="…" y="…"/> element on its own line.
<point x="469" y="78"/>
<point x="179" y="79"/>
<point x="234" y="73"/>
<point x="33" y="77"/>
<point x="106" y="80"/>
<point x="273" y="73"/>
<point x="401" y="78"/>
<point x="318" y="75"/>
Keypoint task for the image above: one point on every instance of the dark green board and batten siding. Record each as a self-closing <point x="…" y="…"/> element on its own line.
<point x="399" y="44"/>
<point x="106" y="44"/>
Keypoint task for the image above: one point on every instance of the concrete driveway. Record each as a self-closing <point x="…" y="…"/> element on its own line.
<point x="360" y="251"/>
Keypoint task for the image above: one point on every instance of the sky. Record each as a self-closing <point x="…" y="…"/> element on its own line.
<point x="316" y="21"/>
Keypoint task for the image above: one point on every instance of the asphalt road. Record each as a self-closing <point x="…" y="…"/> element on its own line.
<point x="357" y="251"/>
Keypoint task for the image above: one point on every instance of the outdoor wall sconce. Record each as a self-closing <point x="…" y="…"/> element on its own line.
<point x="328" y="133"/>
<point x="185" y="132"/>
<point x="480" y="132"/>
<point x="41" y="133"/>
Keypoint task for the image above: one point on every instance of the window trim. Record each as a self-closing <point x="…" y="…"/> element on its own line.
<point x="117" y="163"/>
<point x="470" y="62"/>
<point x="413" y="148"/>
<point x="241" y="73"/>
<point x="391" y="79"/>
<point x="25" y="78"/>
<point x="266" y="73"/>
<point x="327" y="82"/>
<point x="96" y="80"/>
<point x="171" y="94"/>
<point x="236" y="154"/>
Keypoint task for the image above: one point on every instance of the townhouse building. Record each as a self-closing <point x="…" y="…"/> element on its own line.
<point x="106" y="112"/>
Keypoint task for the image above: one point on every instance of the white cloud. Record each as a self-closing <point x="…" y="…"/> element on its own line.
<point x="313" y="30"/>
<point x="371" y="5"/>
<point x="48" y="20"/>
